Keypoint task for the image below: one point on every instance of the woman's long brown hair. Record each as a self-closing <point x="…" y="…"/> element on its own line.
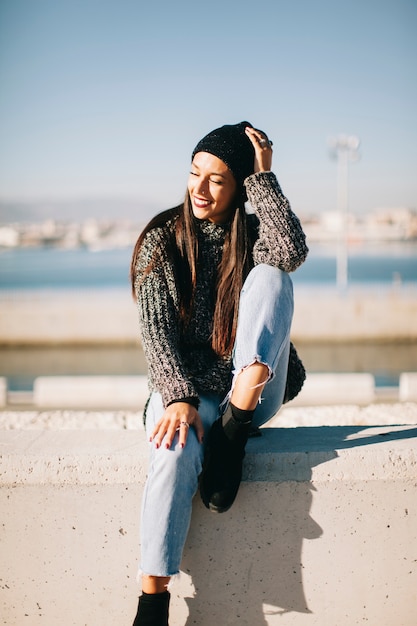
<point x="232" y="270"/>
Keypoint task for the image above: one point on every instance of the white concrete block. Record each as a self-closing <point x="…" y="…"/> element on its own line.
<point x="90" y="391"/>
<point x="408" y="387"/>
<point x="3" y="391"/>
<point x="323" y="531"/>
<point x="338" y="388"/>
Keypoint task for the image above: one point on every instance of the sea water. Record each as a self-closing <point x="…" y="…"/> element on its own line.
<point x="40" y="268"/>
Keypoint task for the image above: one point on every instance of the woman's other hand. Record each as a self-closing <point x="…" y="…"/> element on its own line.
<point x="179" y="416"/>
<point x="263" y="149"/>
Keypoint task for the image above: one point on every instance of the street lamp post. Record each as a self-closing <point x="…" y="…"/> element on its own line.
<point x="345" y="149"/>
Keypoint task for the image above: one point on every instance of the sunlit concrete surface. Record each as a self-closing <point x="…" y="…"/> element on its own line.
<point x="323" y="531"/>
<point x="97" y="317"/>
<point x="90" y="391"/>
<point x="408" y="386"/>
<point x="290" y="416"/>
<point x="336" y="388"/>
<point x="132" y="391"/>
<point x="3" y="391"/>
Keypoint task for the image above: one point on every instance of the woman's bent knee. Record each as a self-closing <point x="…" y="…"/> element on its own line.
<point x="268" y="283"/>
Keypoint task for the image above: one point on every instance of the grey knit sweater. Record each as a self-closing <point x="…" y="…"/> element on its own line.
<point x="184" y="365"/>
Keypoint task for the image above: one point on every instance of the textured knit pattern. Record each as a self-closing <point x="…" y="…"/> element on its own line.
<point x="183" y="365"/>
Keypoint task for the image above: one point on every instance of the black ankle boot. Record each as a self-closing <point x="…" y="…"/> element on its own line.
<point x="153" y="609"/>
<point x="222" y="466"/>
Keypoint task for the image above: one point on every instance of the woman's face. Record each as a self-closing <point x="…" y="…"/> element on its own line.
<point x="212" y="188"/>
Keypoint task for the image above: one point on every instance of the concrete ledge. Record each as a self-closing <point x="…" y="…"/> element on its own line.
<point x="110" y="316"/>
<point x="323" y="531"/>
<point x="72" y="457"/>
<point x="378" y="414"/>
<point x="103" y="457"/>
<point x="355" y="315"/>
<point x="408" y="387"/>
<point x="90" y="391"/>
<point x="45" y="317"/>
<point x="336" y="389"/>
<point x="132" y="391"/>
<point x="3" y="391"/>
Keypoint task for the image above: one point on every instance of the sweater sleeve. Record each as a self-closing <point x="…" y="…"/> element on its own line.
<point x="157" y="301"/>
<point x="281" y="241"/>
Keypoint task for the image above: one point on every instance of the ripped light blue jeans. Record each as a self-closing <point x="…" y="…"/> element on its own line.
<point x="263" y="335"/>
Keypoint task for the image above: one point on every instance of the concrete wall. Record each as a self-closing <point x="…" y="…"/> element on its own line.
<point x="408" y="386"/>
<point x="131" y="392"/>
<point x="3" y="391"/>
<point x="101" y="316"/>
<point x="323" y="531"/>
<point x="44" y="317"/>
<point x="357" y="315"/>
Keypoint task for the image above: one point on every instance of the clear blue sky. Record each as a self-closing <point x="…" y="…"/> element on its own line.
<point x="107" y="98"/>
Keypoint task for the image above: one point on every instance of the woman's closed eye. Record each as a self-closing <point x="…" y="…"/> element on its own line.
<point x="215" y="181"/>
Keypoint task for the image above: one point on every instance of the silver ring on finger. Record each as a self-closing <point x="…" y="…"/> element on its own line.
<point x="265" y="143"/>
<point x="186" y="424"/>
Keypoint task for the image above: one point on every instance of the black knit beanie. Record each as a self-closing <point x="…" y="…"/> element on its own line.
<point x="230" y="144"/>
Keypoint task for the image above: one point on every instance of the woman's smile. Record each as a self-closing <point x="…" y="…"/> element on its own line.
<point x="200" y="202"/>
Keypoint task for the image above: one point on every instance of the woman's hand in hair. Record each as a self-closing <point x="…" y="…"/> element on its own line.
<point x="263" y="149"/>
<point x="175" y="418"/>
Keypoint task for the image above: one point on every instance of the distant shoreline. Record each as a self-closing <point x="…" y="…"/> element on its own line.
<point x="392" y="265"/>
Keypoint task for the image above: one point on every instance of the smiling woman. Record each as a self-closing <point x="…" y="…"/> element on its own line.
<point x="212" y="188"/>
<point x="215" y="310"/>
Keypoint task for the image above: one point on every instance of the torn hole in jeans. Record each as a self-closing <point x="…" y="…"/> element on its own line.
<point x="236" y="373"/>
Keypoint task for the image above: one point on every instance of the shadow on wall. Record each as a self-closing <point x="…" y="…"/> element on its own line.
<point x="247" y="564"/>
